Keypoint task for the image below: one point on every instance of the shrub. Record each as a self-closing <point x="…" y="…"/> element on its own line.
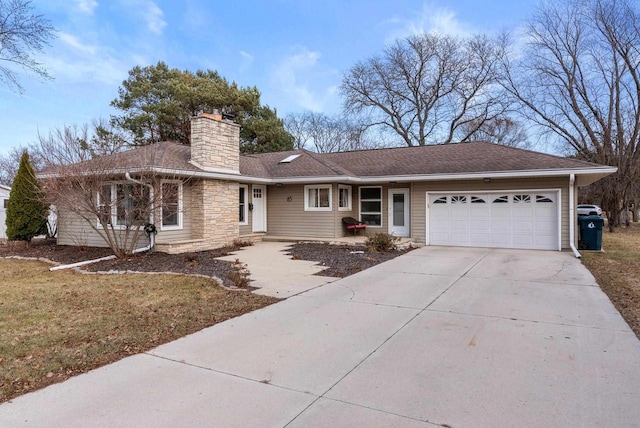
<point x="238" y="242"/>
<point x="381" y="242"/>
<point x="239" y="274"/>
<point x="26" y="210"/>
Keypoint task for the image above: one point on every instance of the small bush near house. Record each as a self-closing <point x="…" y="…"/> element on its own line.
<point x="26" y="213"/>
<point x="242" y="242"/>
<point x="381" y="242"/>
<point x="239" y="274"/>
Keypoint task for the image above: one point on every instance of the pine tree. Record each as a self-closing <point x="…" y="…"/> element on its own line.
<point x="26" y="211"/>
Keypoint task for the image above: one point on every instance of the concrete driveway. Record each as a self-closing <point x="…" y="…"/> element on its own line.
<point x="441" y="336"/>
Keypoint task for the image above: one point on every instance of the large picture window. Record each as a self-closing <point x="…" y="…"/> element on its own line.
<point x="317" y="197"/>
<point x="124" y="204"/>
<point x="243" y="191"/>
<point x="371" y="206"/>
<point x="171" y="205"/>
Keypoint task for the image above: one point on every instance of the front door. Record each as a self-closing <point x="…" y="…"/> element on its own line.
<point x="399" y="212"/>
<point x="259" y="213"/>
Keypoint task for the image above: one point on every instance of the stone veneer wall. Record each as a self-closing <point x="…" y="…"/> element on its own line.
<point x="214" y="214"/>
<point x="215" y="143"/>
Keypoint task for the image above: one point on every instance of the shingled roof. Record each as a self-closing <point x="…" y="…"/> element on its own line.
<point x="435" y="160"/>
<point x="443" y="159"/>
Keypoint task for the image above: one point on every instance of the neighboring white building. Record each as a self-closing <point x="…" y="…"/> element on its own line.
<point x="4" y="201"/>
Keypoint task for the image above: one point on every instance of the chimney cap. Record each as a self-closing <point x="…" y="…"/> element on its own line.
<point x="213" y="116"/>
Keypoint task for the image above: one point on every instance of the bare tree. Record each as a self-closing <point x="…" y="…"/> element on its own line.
<point x="22" y="34"/>
<point x="323" y="134"/>
<point x="499" y="130"/>
<point x="63" y="146"/>
<point x="579" y="80"/>
<point x="427" y="87"/>
<point x="99" y="194"/>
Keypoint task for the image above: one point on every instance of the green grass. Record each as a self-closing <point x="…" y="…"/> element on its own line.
<point x="54" y="325"/>
<point x="617" y="270"/>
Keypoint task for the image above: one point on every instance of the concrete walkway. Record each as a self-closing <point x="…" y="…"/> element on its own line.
<point x="275" y="273"/>
<point x="465" y="337"/>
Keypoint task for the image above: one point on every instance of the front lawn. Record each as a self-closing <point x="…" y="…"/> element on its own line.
<point x="54" y="325"/>
<point x="617" y="270"/>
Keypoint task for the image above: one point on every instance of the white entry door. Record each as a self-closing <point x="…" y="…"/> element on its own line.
<point x="399" y="212"/>
<point x="259" y="213"/>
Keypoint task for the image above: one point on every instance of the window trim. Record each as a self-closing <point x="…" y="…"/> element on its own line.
<point x="180" y="224"/>
<point x="113" y="206"/>
<point x="318" y="186"/>
<point x="349" y="197"/>
<point x="244" y="208"/>
<point x="360" y="200"/>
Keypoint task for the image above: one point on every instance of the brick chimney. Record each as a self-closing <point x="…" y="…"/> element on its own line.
<point x="215" y="143"/>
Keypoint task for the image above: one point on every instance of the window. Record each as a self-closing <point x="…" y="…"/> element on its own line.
<point x="124" y="204"/>
<point x="543" y="199"/>
<point x="458" y="199"/>
<point x="171" y="204"/>
<point x="243" y="191"/>
<point x="441" y="200"/>
<point x="317" y="197"/>
<point x="521" y="199"/>
<point x="6" y="203"/>
<point x="344" y="198"/>
<point x="477" y="200"/>
<point x="501" y="200"/>
<point x="104" y="204"/>
<point x="371" y="206"/>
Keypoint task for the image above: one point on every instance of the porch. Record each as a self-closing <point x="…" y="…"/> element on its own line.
<point x="344" y="240"/>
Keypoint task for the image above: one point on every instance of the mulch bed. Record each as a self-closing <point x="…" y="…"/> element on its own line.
<point x="340" y="260"/>
<point x="198" y="263"/>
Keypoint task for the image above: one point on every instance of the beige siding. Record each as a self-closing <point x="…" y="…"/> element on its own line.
<point x="74" y="230"/>
<point x="419" y="189"/>
<point x="286" y="215"/>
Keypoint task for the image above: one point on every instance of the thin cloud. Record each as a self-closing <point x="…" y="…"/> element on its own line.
<point x="430" y="19"/>
<point x="148" y="12"/>
<point x="86" y="6"/>
<point x="74" y="42"/>
<point x="247" y="60"/>
<point x="154" y="17"/>
<point x="288" y="77"/>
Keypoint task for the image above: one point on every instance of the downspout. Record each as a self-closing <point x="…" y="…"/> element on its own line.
<point x="572" y="220"/>
<point x="152" y="236"/>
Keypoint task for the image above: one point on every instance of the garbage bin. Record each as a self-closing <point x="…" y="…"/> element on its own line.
<point x="590" y="232"/>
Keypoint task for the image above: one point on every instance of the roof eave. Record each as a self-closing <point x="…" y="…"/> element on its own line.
<point x="584" y="176"/>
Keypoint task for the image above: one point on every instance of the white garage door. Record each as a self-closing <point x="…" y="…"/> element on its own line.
<point x="501" y="220"/>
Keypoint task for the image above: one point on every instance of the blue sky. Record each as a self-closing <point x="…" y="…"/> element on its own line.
<point x="294" y="51"/>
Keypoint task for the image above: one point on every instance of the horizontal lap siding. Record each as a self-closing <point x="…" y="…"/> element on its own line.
<point x="75" y="231"/>
<point x="419" y="190"/>
<point x="288" y="217"/>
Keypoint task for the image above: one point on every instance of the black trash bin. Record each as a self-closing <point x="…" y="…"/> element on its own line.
<point x="590" y="232"/>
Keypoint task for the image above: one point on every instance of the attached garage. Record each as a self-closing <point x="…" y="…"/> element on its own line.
<point x="526" y="219"/>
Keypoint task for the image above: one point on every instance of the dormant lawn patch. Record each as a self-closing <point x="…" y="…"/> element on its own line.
<point x="617" y="270"/>
<point x="54" y="325"/>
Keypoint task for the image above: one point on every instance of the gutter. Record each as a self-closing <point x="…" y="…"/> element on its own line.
<point x="572" y="222"/>
<point x="152" y="236"/>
